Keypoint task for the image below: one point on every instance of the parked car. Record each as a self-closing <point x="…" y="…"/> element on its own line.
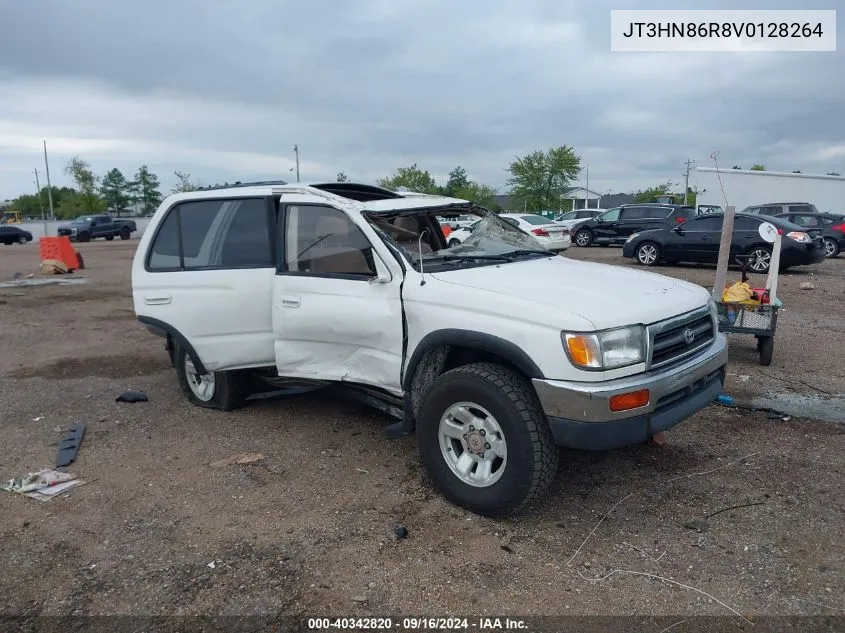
<point x="779" y="208"/>
<point x="89" y="227"/>
<point x="457" y="236"/>
<point x="572" y="218"/>
<point x="616" y="225"/>
<point x="705" y="209"/>
<point x="698" y="240"/>
<point x="14" y="235"/>
<point x="492" y="353"/>
<point x="832" y="226"/>
<point x="547" y="232"/>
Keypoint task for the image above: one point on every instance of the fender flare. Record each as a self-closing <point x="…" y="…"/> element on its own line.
<point x="476" y="340"/>
<point x="156" y="324"/>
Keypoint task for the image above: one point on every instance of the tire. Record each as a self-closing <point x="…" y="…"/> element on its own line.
<point x="22" y="239"/>
<point x="501" y="403"/>
<point x="583" y="238"/>
<point x="454" y="243"/>
<point x="226" y="387"/>
<point x="125" y="233"/>
<point x="766" y="346"/>
<point x="109" y="237"/>
<point x="83" y="237"/>
<point x="759" y="259"/>
<point x="831" y="247"/>
<point x="648" y="254"/>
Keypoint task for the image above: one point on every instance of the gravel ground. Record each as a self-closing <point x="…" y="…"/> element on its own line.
<point x="309" y="529"/>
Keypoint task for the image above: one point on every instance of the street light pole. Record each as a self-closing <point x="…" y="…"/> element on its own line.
<point x="40" y="200"/>
<point x="296" y="151"/>
<point x="49" y="186"/>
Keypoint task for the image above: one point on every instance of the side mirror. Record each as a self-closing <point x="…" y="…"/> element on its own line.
<point x="383" y="275"/>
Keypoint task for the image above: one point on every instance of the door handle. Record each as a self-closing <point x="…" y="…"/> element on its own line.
<point x="290" y="302"/>
<point x="158" y="300"/>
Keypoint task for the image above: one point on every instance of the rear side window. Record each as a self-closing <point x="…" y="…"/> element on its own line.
<point x="634" y="213"/>
<point x="771" y="210"/>
<point x="211" y="234"/>
<point x="801" y="208"/>
<point x="746" y="224"/>
<point x="712" y="223"/>
<point x="586" y="214"/>
<point x="805" y="220"/>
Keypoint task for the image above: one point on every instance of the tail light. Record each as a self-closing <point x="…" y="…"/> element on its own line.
<point x="540" y="232"/>
<point x="679" y="219"/>
<point x="839" y="227"/>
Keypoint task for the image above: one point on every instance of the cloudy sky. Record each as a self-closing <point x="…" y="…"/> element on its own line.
<point x="224" y="91"/>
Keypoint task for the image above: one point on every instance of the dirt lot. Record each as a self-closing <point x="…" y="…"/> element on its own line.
<point x="309" y="530"/>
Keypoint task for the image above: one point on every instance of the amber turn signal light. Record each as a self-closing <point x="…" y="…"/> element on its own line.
<point x="632" y="400"/>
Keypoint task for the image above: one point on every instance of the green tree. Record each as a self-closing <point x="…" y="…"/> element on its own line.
<point x="115" y="191"/>
<point x="411" y="178"/>
<point x="650" y="194"/>
<point x="342" y="177"/>
<point x="185" y="183"/>
<point x="539" y="179"/>
<point x="144" y="188"/>
<point x="482" y="195"/>
<point x="458" y="180"/>
<point x="88" y="200"/>
<point x="758" y="167"/>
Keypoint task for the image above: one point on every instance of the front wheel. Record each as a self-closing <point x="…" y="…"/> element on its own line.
<point x="583" y="237"/>
<point x="484" y="439"/>
<point x="22" y="239"/>
<point x="83" y="237"/>
<point x="124" y="233"/>
<point x="759" y="259"/>
<point x="215" y="390"/>
<point x="831" y="247"/>
<point x="648" y="254"/>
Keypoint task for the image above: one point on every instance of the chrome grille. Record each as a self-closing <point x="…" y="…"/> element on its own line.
<point x="682" y="336"/>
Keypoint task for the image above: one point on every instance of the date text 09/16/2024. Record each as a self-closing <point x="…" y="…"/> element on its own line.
<point x="418" y="624"/>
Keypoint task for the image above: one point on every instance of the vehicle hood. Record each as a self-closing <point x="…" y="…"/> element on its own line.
<point x="607" y="296"/>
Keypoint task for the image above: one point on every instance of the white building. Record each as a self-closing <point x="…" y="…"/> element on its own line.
<point x="582" y="198"/>
<point x="744" y="188"/>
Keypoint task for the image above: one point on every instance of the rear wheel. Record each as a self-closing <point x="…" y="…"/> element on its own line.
<point x="584" y="237"/>
<point x="484" y="439"/>
<point x="648" y="254"/>
<point x="759" y="259"/>
<point x="831" y="247"/>
<point x="109" y="237"/>
<point x="215" y="390"/>
<point x="22" y="239"/>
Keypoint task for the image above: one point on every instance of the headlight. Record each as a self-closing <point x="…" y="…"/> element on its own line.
<point x="606" y="350"/>
<point x="633" y="237"/>
<point x="799" y="236"/>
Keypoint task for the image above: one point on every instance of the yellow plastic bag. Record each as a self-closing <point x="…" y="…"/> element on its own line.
<point x="737" y="293"/>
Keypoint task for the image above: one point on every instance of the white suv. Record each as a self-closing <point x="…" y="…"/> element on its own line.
<point x="493" y="351"/>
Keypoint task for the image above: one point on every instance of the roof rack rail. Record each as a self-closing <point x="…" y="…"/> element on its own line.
<point x="258" y="183"/>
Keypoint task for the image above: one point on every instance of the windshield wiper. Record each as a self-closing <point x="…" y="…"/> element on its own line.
<point x="465" y="258"/>
<point x="521" y="252"/>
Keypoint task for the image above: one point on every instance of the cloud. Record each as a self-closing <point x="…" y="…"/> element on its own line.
<point x="224" y="90"/>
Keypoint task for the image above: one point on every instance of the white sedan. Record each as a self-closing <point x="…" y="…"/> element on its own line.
<point x="548" y="233"/>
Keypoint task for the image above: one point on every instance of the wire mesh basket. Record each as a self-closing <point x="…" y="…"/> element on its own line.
<point x="747" y="317"/>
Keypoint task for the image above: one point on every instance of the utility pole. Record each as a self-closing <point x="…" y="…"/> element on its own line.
<point x="587" y="199"/>
<point x="49" y="186"/>
<point x="40" y="200"/>
<point x="296" y="151"/>
<point x="689" y="164"/>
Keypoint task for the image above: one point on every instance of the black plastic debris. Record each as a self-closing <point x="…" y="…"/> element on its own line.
<point x="400" y="531"/>
<point x="69" y="445"/>
<point x="132" y="396"/>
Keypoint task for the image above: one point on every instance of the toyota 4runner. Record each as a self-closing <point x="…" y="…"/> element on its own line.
<point x="493" y="351"/>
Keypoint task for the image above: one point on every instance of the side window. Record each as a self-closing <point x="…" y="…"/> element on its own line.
<point x="712" y="223"/>
<point x="771" y="210"/>
<point x="610" y="216"/>
<point x="800" y="208"/>
<point x="584" y="214"/>
<point x="164" y="254"/>
<point x="324" y="241"/>
<point x="805" y="220"/>
<point x="214" y="234"/>
<point x="511" y="221"/>
<point x="634" y="213"/>
<point x="746" y="224"/>
<point x="751" y="210"/>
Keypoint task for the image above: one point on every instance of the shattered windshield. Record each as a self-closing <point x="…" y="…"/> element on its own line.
<point x="421" y="234"/>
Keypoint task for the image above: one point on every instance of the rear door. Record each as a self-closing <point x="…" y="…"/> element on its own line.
<point x="631" y="220"/>
<point x="337" y="309"/>
<point x="696" y="240"/>
<point x="211" y="270"/>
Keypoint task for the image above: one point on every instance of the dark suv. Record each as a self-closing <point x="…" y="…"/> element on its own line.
<point x="779" y="208"/>
<point x="616" y="225"/>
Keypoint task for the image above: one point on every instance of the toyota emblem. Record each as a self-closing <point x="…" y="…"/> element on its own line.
<point x="689" y="336"/>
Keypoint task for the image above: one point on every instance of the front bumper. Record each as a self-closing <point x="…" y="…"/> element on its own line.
<point x="628" y="249"/>
<point x="580" y="416"/>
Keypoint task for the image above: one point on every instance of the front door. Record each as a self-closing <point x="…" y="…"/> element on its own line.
<point x="337" y="309"/>
<point x="607" y="226"/>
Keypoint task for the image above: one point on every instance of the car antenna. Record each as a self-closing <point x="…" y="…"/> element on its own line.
<point x="419" y="246"/>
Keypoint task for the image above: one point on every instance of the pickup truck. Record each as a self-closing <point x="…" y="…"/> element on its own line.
<point x="493" y="352"/>
<point x="89" y="227"/>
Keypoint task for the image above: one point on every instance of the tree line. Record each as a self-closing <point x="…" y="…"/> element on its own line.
<point x="113" y="192"/>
